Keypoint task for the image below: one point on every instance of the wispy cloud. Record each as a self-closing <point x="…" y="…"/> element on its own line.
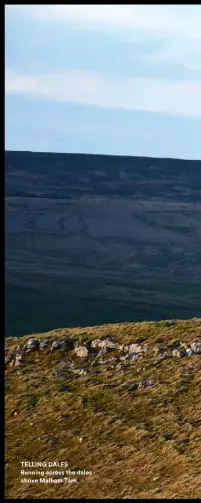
<point x="90" y="88"/>
<point x="179" y="18"/>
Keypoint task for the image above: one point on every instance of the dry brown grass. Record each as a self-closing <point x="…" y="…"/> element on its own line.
<point x="138" y="443"/>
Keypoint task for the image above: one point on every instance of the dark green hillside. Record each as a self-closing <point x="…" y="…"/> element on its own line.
<point x="100" y="239"/>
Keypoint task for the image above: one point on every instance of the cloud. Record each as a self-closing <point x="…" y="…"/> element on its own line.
<point x="181" y="19"/>
<point x="177" y="98"/>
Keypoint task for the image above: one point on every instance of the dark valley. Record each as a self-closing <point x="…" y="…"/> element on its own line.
<point x="92" y="239"/>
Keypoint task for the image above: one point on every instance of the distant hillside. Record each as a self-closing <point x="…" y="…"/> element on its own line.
<point x="99" y="239"/>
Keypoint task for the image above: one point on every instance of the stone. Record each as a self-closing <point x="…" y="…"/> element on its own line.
<point x="178" y="353"/>
<point x="163" y="356"/>
<point x="18" y="360"/>
<point x="129" y="355"/>
<point x="135" y="358"/>
<point x="44" y="344"/>
<point x="95" y="343"/>
<point x="57" y="345"/>
<point x="101" y="353"/>
<point x="189" y="352"/>
<point x="32" y="344"/>
<point x="135" y="348"/>
<point x="81" y="351"/>
<point x="59" y="372"/>
<point x="80" y="372"/>
<point x="104" y="343"/>
<point x="146" y="383"/>
<point x="126" y="349"/>
<point x="196" y="347"/>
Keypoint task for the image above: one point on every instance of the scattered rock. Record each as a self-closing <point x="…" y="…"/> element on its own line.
<point x="146" y="383"/>
<point x="135" y="348"/>
<point x="126" y="349"/>
<point x="196" y="347"/>
<point x="57" y="345"/>
<point x="18" y="360"/>
<point x="80" y="372"/>
<point x="32" y="344"/>
<point x="81" y="351"/>
<point x="14" y="412"/>
<point x="96" y="343"/>
<point x="130" y="356"/>
<point x="101" y="353"/>
<point x="111" y="360"/>
<point x="104" y="343"/>
<point x="59" y="372"/>
<point x="163" y="356"/>
<point x="178" y="353"/>
<point x="189" y="352"/>
<point x="44" y="344"/>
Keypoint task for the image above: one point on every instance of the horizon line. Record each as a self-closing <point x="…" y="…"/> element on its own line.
<point x="104" y="155"/>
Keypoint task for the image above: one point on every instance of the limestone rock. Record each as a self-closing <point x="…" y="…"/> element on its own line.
<point x="178" y="353"/>
<point x="196" y="347"/>
<point x="104" y="343"/>
<point x="163" y="356"/>
<point x="31" y="345"/>
<point x="18" y="360"/>
<point x="189" y="352"/>
<point x="57" y="345"/>
<point x="135" y="348"/>
<point x="44" y="344"/>
<point x="81" y="351"/>
<point x="95" y="343"/>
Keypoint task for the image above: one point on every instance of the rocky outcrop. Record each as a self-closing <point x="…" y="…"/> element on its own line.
<point x="125" y="354"/>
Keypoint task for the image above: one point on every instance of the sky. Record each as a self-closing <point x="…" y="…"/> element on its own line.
<point x="104" y="79"/>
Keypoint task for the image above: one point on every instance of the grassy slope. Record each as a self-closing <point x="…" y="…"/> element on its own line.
<point x="139" y="443"/>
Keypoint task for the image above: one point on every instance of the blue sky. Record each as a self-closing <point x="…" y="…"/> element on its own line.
<point x="122" y="79"/>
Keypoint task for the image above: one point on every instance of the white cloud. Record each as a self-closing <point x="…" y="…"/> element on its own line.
<point x="90" y="88"/>
<point x="180" y="19"/>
